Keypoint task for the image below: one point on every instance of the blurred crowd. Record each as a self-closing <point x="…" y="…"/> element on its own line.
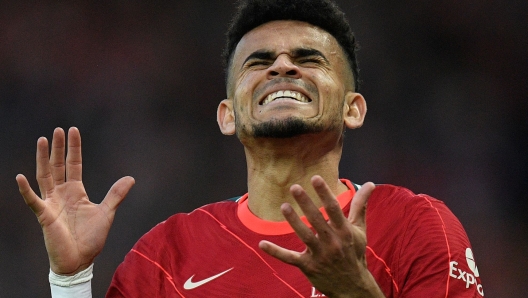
<point x="445" y="84"/>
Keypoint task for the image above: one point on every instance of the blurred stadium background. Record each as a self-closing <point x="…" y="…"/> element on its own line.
<point x="445" y="83"/>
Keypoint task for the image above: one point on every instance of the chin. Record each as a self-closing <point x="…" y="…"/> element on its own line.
<point x="285" y="128"/>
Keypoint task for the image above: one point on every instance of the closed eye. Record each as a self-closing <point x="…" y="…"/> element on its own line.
<point x="257" y="62"/>
<point x="258" y="58"/>
<point x="311" y="60"/>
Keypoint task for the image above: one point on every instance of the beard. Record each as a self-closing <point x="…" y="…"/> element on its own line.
<point x="285" y="128"/>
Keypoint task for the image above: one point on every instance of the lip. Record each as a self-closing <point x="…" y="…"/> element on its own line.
<point x="283" y="87"/>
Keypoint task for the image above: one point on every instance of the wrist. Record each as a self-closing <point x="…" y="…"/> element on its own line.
<point x="366" y="288"/>
<point x="83" y="276"/>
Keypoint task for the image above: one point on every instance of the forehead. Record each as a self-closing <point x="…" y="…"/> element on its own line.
<point x="284" y="36"/>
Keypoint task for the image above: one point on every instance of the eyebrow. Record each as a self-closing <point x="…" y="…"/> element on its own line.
<point x="296" y="53"/>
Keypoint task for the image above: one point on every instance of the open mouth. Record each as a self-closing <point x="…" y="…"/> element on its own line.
<point x="285" y="94"/>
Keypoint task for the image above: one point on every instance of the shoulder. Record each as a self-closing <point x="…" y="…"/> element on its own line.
<point x="195" y="219"/>
<point x="421" y="241"/>
<point x="156" y="252"/>
<point x="392" y="195"/>
<point x="396" y="203"/>
<point x="403" y="211"/>
<point x="180" y="230"/>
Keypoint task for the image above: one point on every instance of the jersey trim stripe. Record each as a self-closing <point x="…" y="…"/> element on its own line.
<point x="387" y="269"/>
<point x="253" y="250"/>
<point x="447" y="242"/>
<point x="167" y="275"/>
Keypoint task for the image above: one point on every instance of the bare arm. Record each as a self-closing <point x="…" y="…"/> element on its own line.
<point x="74" y="228"/>
<point x="334" y="260"/>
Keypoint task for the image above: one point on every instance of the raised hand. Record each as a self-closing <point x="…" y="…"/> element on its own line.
<point x="74" y="228"/>
<point x="334" y="260"/>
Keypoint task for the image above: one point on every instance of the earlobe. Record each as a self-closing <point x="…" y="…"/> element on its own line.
<point x="354" y="110"/>
<point x="225" y="116"/>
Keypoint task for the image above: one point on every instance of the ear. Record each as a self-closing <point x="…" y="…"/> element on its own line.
<point x="225" y="116"/>
<point x="354" y="110"/>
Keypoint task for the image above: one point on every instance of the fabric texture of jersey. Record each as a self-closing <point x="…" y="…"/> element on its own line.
<point x="415" y="248"/>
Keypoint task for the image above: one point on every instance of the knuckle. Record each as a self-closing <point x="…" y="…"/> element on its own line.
<point x="308" y="238"/>
<point x="335" y="247"/>
<point x="333" y="207"/>
<point x="58" y="165"/>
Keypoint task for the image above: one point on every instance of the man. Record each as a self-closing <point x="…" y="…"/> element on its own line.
<point x="299" y="231"/>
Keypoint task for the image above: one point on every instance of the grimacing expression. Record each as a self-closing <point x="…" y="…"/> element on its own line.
<point x="288" y="77"/>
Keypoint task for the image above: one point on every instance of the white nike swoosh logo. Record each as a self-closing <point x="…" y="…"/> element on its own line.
<point x="189" y="284"/>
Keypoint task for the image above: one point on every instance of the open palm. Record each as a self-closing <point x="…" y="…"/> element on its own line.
<point x="74" y="228"/>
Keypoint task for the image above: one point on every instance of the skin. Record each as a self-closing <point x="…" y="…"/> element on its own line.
<point x="74" y="228"/>
<point x="287" y="177"/>
<point x="291" y="177"/>
<point x="275" y="164"/>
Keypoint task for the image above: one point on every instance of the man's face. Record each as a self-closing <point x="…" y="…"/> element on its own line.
<point x="288" y="78"/>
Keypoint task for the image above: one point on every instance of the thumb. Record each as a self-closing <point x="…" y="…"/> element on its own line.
<point x="358" y="206"/>
<point x="118" y="192"/>
<point x="30" y="197"/>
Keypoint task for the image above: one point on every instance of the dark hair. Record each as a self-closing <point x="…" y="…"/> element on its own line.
<point x="322" y="13"/>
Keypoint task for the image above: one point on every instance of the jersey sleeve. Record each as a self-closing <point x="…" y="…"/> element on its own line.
<point x="435" y="258"/>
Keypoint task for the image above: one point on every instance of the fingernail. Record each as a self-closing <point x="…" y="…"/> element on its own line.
<point x="286" y="208"/>
<point x="297" y="191"/>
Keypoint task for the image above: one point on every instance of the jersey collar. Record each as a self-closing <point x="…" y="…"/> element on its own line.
<point x="260" y="226"/>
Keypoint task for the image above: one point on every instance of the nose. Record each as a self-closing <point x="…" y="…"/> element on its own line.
<point x="283" y="67"/>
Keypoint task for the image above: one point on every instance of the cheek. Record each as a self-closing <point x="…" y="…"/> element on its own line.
<point x="329" y="90"/>
<point x="335" y="84"/>
<point x="245" y="88"/>
<point x="243" y="97"/>
<point x="333" y="98"/>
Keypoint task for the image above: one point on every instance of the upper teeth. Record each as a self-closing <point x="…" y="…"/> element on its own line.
<point x="285" y="93"/>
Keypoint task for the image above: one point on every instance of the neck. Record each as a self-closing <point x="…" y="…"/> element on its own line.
<point x="276" y="164"/>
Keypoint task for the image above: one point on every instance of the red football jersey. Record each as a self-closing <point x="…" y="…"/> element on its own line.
<point x="415" y="248"/>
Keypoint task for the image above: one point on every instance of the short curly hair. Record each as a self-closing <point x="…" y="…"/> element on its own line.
<point x="324" y="14"/>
